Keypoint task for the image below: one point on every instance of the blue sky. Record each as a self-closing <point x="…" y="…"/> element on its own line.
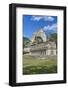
<point x="34" y="22"/>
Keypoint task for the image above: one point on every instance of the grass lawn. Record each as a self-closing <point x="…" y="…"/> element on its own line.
<point x="38" y="65"/>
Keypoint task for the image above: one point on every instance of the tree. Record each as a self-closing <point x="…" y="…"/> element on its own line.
<point x="53" y="37"/>
<point x="26" y="42"/>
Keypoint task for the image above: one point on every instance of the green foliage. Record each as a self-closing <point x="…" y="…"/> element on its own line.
<point x="26" y="42"/>
<point x="53" y="37"/>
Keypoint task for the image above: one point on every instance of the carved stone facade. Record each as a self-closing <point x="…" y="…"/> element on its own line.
<point x="41" y="46"/>
<point x="38" y="33"/>
<point x="44" y="49"/>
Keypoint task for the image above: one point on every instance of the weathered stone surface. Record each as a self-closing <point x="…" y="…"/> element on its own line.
<point x="44" y="48"/>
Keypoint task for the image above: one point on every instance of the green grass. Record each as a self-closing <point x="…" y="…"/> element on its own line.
<point x="38" y="65"/>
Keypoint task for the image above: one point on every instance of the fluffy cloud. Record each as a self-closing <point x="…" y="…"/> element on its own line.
<point x="48" y="18"/>
<point x="51" y="27"/>
<point x="45" y="18"/>
<point x="36" y="18"/>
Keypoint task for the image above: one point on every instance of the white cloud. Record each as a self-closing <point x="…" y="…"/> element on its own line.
<point x="45" y="18"/>
<point x="48" y="18"/>
<point x="36" y="18"/>
<point x="50" y="27"/>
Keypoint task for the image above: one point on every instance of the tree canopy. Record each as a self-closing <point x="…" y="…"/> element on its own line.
<point x="53" y="37"/>
<point x="26" y="42"/>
